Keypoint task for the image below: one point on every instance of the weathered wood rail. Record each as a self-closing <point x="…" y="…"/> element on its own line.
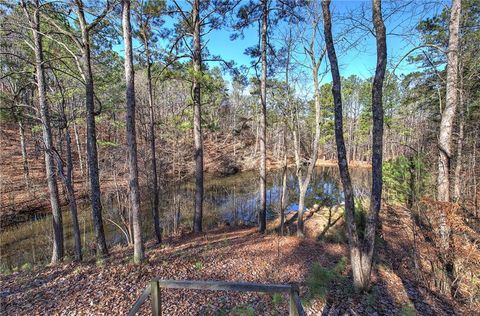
<point x="155" y="286"/>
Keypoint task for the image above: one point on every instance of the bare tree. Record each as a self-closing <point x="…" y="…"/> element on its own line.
<point x="315" y="62"/>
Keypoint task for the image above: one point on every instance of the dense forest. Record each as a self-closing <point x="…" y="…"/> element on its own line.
<point x="330" y="144"/>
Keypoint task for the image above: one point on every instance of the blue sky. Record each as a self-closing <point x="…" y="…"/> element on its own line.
<point x="359" y="60"/>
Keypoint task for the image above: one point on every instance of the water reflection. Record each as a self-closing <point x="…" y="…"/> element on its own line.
<point x="231" y="200"/>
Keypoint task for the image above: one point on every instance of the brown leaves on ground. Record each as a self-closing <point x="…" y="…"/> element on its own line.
<point x="237" y="254"/>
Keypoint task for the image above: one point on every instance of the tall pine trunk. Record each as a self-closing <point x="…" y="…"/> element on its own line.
<point x="138" y="247"/>
<point x="58" y="248"/>
<point x="155" y="193"/>
<point x="262" y="214"/>
<point x="197" y="119"/>
<point x="445" y="140"/>
<point x="92" y="155"/>
<point x="448" y="114"/>
<point x="461" y="135"/>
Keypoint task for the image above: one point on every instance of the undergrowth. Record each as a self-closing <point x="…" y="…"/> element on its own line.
<point x="320" y="278"/>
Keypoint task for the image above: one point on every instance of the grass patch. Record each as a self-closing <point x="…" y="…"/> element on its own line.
<point x="320" y="278"/>
<point x="244" y="310"/>
<point x="277" y="299"/>
<point x="27" y="267"/>
<point x="198" y="265"/>
<point x="408" y="310"/>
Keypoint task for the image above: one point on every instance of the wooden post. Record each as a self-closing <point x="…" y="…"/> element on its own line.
<point x="292" y="305"/>
<point x="156" y="298"/>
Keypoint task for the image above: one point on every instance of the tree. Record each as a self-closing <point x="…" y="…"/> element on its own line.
<point x="377" y="142"/>
<point x="260" y="12"/>
<point x="83" y="42"/>
<point x="316" y="60"/>
<point x="353" y="239"/>
<point x="67" y="175"/>
<point x="148" y="13"/>
<point x="34" y="21"/>
<point x="132" y="136"/>
<point x="445" y="134"/>
<point x="201" y="18"/>
<point x="361" y="249"/>
<point x="448" y="114"/>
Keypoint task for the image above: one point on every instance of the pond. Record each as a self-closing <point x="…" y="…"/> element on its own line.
<point x="229" y="200"/>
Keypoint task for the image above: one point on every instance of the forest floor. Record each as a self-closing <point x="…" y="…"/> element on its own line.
<point x="111" y="287"/>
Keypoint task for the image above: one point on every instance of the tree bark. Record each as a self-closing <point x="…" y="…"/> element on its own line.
<point x="445" y="139"/>
<point x="197" y="118"/>
<point x="92" y="155"/>
<point x="448" y="114"/>
<point x="26" y="172"/>
<point x="353" y="240"/>
<point x="79" y="147"/>
<point x="459" y="157"/>
<point x="138" y="247"/>
<point x="283" y="201"/>
<point x="377" y="143"/>
<point x="58" y="248"/>
<point x="155" y="193"/>
<point x="67" y="179"/>
<point x="262" y="214"/>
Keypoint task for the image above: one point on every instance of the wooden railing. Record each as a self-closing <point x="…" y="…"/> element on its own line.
<point x="155" y="286"/>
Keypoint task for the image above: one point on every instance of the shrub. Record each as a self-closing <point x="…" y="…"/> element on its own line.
<point x="398" y="182"/>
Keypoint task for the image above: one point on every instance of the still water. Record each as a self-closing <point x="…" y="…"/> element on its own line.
<point x="229" y="200"/>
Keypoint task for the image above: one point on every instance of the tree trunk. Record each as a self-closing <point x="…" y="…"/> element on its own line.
<point x="459" y="158"/>
<point x="155" y="193"/>
<point x="26" y="173"/>
<point x="79" y="147"/>
<point x="58" y="249"/>
<point x="377" y="143"/>
<point x="283" y="201"/>
<point x="67" y="179"/>
<point x="352" y="235"/>
<point x="262" y="214"/>
<point x="197" y="119"/>
<point x="92" y="155"/>
<point x="304" y="183"/>
<point x="71" y="198"/>
<point x="445" y="138"/>
<point x="138" y="247"/>
<point x="448" y="114"/>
